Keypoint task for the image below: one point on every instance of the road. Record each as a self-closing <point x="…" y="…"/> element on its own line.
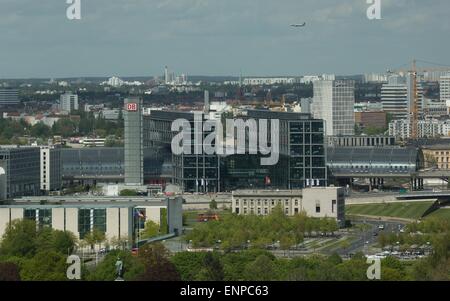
<point x="360" y="244"/>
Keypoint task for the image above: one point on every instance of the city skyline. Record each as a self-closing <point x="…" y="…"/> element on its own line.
<point x="215" y="39"/>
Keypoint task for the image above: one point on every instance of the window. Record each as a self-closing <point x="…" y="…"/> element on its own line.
<point x="45" y="218"/>
<point x="84" y="222"/>
<point x="317" y="206"/>
<point x="333" y="206"/>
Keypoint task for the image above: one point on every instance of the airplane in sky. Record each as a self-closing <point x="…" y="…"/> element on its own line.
<point x="299" y="25"/>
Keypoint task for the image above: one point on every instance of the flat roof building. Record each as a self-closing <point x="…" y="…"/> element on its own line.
<point x="117" y="217"/>
<point x="21" y="168"/>
<point x="318" y="202"/>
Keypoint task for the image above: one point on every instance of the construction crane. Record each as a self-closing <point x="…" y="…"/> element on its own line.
<point x="414" y="108"/>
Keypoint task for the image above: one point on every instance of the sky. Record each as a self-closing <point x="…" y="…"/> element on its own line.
<point x="218" y="37"/>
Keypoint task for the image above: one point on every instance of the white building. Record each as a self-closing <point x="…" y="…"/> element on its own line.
<point x="334" y="102"/>
<point x="397" y="96"/>
<point x="260" y="81"/>
<point x="68" y="102"/>
<point x="318" y="202"/>
<point x="51" y="168"/>
<point x="444" y="88"/>
<point x="375" y="78"/>
<point x="426" y="128"/>
<point x="307" y="79"/>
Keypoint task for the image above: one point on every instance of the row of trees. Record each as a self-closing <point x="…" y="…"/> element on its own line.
<point x="87" y="124"/>
<point x="238" y="231"/>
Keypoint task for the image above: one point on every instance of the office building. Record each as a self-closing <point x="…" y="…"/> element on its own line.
<point x="118" y="218"/>
<point x="20" y="167"/>
<point x="9" y="97"/>
<point x="302" y="156"/>
<point x="334" y="102"/>
<point x="68" y="102"/>
<point x="93" y="165"/>
<point x="51" y="168"/>
<point x="134" y="162"/>
<point x="318" y="202"/>
<point x="192" y="172"/>
<point x="397" y="96"/>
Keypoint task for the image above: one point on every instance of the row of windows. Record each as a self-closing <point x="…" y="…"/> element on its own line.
<point x="265" y="202"/>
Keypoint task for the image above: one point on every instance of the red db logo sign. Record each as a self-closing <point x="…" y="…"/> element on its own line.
<point x="132" y="107"/>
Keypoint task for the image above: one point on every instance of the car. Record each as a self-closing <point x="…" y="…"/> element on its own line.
<point x="375" y="233"/>
<point x="381" y="227"/>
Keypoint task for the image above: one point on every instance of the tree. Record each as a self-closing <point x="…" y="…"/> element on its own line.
<point x="95" y="237"/>
<point x="212" y="269"/>
<point x="40" y="130"/>
<point x="157" y="266"/>
<point x="128" y="192"/>
<point x="45" y="266"/>
<point x="262" y="269"/>
<point x="151" y="229"/>
<point x="106" y="270"/>
<point x="9" y="272"/>
<point x="19" y="239"/>
<point x="188" y="264"/>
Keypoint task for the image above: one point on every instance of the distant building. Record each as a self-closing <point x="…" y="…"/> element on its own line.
<point x="260" y="81"/>
<point x="318" y="202"/>
<point x="444" y="88"/>
<point x="9" y="97"/>
<point x="21" y="168"/>
<point x="69" y="102"/>
<point x="426" y="128"/>
<point x="93" y="142"/>
<point x="437" y="156"/>
<point x="435" y="107"/>
<point x="375" y="78"/>
<point x="51" y="168"/>
<point x="334" y="102"/>
<point x="360" y="141"/>
<point x="371" y="119"/>
<point x="397" y="97"/>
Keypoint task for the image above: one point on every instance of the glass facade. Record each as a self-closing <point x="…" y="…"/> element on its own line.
<point x="90" y="219"/>
<point x="43" y="217"/>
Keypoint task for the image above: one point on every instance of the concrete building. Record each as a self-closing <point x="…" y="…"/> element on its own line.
<point x="318" y="202"/>
<point x="134" y="162"/>
<point x="437" y="156"/>
<point x="51" y="168"/>
<point x="429" y="128"/>
<point x="435" y="108"/>
<point x="371" y="119"/>
<point x="68" y="102"/>
<point x="444" y="88"/>
<point x="21" y="168"/>
<point x="334" y="102"/>
<point x="9" y="97"/>
<point x="118" y="218"/>
<point x="397" y="98"/>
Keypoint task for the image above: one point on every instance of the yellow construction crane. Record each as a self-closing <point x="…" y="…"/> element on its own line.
<point x="414" y="108"/>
